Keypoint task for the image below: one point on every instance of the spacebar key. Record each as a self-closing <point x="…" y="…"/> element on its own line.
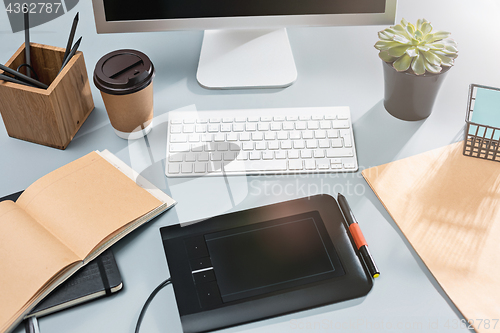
<point x="242" y="166"/>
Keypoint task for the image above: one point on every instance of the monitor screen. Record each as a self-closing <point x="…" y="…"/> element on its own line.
<point x="128" y="10"/>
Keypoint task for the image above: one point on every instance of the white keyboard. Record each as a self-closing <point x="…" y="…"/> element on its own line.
<point x="260" y="141"/>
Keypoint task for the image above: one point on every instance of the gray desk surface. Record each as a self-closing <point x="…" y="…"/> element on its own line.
<point x="336" y="66"/>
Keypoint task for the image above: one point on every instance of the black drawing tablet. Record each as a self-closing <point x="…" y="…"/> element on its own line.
<point x="262" y="262"/>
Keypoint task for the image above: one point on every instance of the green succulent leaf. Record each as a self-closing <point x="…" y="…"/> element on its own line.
<point x="403" y="63"/>
<point x="404" y="22"/>
<point x="385" y="45"/>
<point x="432" y="58"/>
<point x="384" y="36"/>
<point x="432" y="68"/>
<point x="423" y="47"/>
<point x="412" y="52"/>
<point x="419" y="34"/>
<point x="411" y="29"/>
<point x="401" y="39"/>
<point x="440" y="35"/>
<point x="436" y="46"/>
<point x="385" y="56"/>
<point x="426" y="28"/>
<point x="398" y="51"/>
<point x="450" y="49"/>
<point x="445" y="60"/>
<point x="417" y="65"/>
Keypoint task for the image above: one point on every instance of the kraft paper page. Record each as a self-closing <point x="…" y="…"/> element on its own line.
<point x="448" y="206"/>
<point x="29" y="257"/>
<point x="85" y="201"/>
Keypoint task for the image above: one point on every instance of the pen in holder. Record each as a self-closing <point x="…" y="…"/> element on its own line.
<point x="51" y="116"/>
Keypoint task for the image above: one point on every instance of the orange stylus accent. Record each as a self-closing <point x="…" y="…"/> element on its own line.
<point x="357" y="235"/>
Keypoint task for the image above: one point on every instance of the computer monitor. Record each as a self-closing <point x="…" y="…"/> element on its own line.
<point x="245" y="44"/>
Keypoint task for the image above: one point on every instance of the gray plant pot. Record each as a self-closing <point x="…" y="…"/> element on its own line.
<point x="409" y="96"/>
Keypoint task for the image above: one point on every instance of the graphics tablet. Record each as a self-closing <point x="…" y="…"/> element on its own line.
<point x="263" y="262"/>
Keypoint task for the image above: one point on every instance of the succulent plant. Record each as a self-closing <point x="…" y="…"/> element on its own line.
<point x="415" y="48"/>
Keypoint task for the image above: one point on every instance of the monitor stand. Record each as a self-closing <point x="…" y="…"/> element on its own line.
<point x="241" y="59"/>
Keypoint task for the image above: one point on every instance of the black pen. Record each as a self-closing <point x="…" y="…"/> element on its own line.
<point x="358" y="237"/>
<point x="71" y="37"/>
<point x="71" y="54"/>
<point x="27" y="46"/>
<point x="23" y="77"/>
<point x="13" y="80"/>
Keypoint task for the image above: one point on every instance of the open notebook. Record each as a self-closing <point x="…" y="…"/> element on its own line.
<point x="448" y="206"/>
<point x="64" y="220"/>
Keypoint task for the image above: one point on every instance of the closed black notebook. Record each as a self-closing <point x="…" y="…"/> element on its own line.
<point x="98" y="278"/>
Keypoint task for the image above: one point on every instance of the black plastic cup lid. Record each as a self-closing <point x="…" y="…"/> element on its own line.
<point x="123" y="72"/>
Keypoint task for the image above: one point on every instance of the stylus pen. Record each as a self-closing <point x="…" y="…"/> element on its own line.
<point x="23" y="77"/>
<point x="71" y="54"/>
<point x="27" y="46"/>
<point x="71" y="37"/>
<point x="358" y="237"/>
<point x="31" y="325"/>
<point x="13" y="80"/>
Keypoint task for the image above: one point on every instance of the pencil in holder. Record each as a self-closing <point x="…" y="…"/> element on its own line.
<point x="51" y="116"/>
<point x="482" y="136"/>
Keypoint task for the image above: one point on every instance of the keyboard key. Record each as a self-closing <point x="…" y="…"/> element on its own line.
<point x="194" y="138"/>
<point x="213" y="128"/>
<point x="299" y="144"/>
<point x="312" y="143"/>
<point x="257" y="136"/>
<point x="332" y="133"/>
<point x="336" y="161"/>
<point x="176" y="121"/>
<point x="295" y="164"/>
<point x="232" y="137"/>
<point x="294" y="135"/>
<point x="279" y="118"/>
<point x="244" y="136"/>
<point x="263" y="127"/>
<point x="343" y="114"/>
<point x="301" y="125"/>
<point x="270" y="136"/>
<point x="227" y="120"/>
<point x="340" y="123"/>
<point x="247" y="146"/>
<point x="282" y="135"/>
<point x="234" y="147"/>
<point x="222" y="146"/>
<point x="346" y="135"/>
<point x="260" y="145"/>
<point x="306" y="153"/>
<point x="323" y="165"/>
<point x="330" y="117"/>
<point x="340" y="152"/>
<point x="214" y="120"/>
<point x="190" y="157"/>
<point x="225" y="128"/>
<point x="200" y="167"/>
<point x="275" y="126"/>
<point x="175" y="157"/>
<point x="337" y="143"/>
<point x="207" y="137"/>
<point x="178" y="147"/>
<point x="253" y="119"/>
<point x="238" y="127"/>
<point x="250" y="127"/>
<point x="313" y="124"/>
<point x="266" y="118"/>
<point x="324" y="143"/>
<point x="349" y="165"/>
<point x="187" y="167"/>
<point x="310" y="164"/>
<point x="280" y="154"/>
<point x="202" y="121"/>
<point x="210" y="147"/>
<point x="287" y="126"/>
<point x="273" y="145"/>
<point x="243" y="155"/>
<point x="174" y="168"/>
<point x="229" y="156"/>
<point x="188" y="128"/>
<point x="203" y="157"/>
<point x="216" y="156"/>
<point x="317" y="117"/>
<point x="307" y="135"/>
<point x="267" y="155"/>
<point x="174" y="129"/>
<point x="319" y="153"/>
<point x="320" y="134"/>
<point x="325" y="124"/>
<point x="293" y="154"/>
<point x="177" y="138"/>
<point x="240" y="119"/>
<point x="189" y="121"/>
<point x="220" y="137"/>
<point x="292" y="118"/>
<point x="255" y="155"/>
<point x="304" y="117"/>
<point x="286" y="144"/>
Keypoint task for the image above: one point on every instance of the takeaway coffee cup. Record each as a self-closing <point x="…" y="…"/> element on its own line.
<point x="125" y="79"/>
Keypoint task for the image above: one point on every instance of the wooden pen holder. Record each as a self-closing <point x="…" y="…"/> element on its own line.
<point x="52" y="116"/>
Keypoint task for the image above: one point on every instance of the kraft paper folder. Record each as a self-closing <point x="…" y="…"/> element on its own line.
<point x="448" y="206"/>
